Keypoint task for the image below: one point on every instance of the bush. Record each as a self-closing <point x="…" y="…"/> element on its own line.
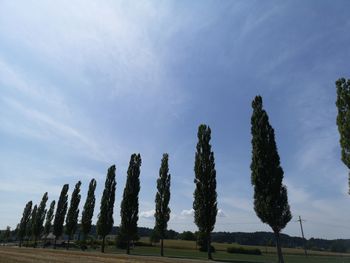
<point x="110" y="242"/>
<point x="338" y="246"/>
<point x="242" y="250"/>
<point x="204" y="249"/>
<point x="154" y="237"/>
<point x="188" y="235"/>
<point x="202" y="242"/>
<point x="143" y="244"/>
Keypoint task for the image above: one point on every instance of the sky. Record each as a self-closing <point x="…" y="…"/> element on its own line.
<point x="84" y="84"/>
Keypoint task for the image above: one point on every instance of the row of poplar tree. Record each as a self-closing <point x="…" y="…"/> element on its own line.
<point x="32" y="223"/>
<point x="270" y="195"/>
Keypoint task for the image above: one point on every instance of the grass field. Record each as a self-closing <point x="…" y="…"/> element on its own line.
<point x="150" y="254"/>
<point x="175" y="251"/>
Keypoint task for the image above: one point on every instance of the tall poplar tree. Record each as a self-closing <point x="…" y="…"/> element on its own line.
<point x="39" y="219"/>
<point x="73" y="212"/>
<point x="270" y="195"/>
<point x="129" y="208"/>
<point x="105" y="217"/>
<point x="24" y="222"/>
<point x="205" y="196"/>
<point x="30" y="227"/>
<point x="343" y="120"/>
<point x="49" y="217"/>
<point x="88" y="210"/>
<point x="162" y="211"/>
<point x="61" y="211"/>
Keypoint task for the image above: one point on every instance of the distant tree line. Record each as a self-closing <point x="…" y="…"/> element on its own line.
<point x="252" y="239"/>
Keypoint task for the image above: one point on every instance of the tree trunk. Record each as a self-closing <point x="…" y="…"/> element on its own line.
<point x="54" y="246"/>
<point x="103" y="245"/>
<point x="161" y="247"/>
<point x="209" y="246"/>
<point x="278" y="246"/>
<point x="67" y="247"/>
<point x="20" y="243"/>
<point x="128" y="247"/>
<point x="34" y="241"/>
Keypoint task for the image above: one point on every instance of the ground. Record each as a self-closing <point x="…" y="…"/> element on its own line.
<point x="148" y="254"/>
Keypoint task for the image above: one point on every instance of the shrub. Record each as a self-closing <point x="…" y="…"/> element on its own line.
<point x="204" y="249"/>
<point x="143" y="244"/>
<point x="188" y="235"/>
<point x="242" y="250"/>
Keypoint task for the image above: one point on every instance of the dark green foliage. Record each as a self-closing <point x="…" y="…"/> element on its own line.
<point x="24" y="222"/>
<point x="49" y="217"/>
<point x="7" y="234"/>
<point x="105" y="217"/>
<point x="154" y="237"/>
<point x="188" y="235"/>
<point x="343" y="119"/>
<point x="338" y="246"/>
<point x="202" y="242"/>
<point x="120" y="240"/>
<point x="61" y="211"/>
<point x="73" y="212"/>
<point x="88" y="210"/>
<point x="270" y="195"/>
<point x="205" y="196"/>
<point x="243" y="250"/>
<point x="171" y="234"/>
<point x="39" y="219"/>
<point x="129" y="208"/>
<point x="162" y="212"/>
<point x="143" y="244"/>
<point x="30" y="226"/>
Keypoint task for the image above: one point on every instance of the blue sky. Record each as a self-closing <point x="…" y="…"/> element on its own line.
<point x="84" y="84"/>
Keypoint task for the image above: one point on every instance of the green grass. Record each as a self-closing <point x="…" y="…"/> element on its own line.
<point x="226" y="257"/>
<point x="187" y="249"/>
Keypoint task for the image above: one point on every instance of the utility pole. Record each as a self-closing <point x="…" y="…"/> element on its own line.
<point x="302" y="233"/>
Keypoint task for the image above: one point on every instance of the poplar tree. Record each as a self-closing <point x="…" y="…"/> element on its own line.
<point x="343" y="120"/>
<point x="162" y="211"/>
<point x="205" y="196"/>
<point x="270" y="195"/>
<point x="24" y="222"/>
<point x="73" y="212"/>
<point x="39" y="219"/>
<point x="30" y="228"/>
<point x="105" y="217"/>
<point x="88" y="210"/>
<point x="61" y="211"/>
<point x="129" y="208"/>
<point x="49" y="217"/>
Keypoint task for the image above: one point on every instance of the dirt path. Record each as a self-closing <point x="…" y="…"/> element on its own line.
<point x="39" y="255"/>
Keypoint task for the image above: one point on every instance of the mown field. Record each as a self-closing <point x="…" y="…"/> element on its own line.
<point x="175" y="251"/>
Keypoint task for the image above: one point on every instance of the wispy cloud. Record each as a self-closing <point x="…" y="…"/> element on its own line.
<point x="86" y="84"/>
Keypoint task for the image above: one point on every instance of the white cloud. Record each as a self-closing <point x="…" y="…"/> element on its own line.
<point x="147" y="214"/>
<point x="76" y="42"/>
<point x="42" y="126"/>
<point x="187" y="213"/>
<point x="221" y="213"/>
<point x="296" y="194"/>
